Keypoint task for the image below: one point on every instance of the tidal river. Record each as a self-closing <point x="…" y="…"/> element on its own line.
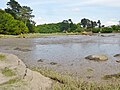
<point x="67" y="53"/>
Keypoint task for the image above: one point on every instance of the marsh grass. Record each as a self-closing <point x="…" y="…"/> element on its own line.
<point x="8" y="36"/>
<point x="8" y="72"/>
<point x="67" y="82"/>
<point x="2" y="56"/>
<point x="11" y="81"/>
<point x="90" y="70"/>
<point x="35" y="35"/>
<point x="116" y="76"/>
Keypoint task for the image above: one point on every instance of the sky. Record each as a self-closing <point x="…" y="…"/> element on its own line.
<point x="52" y="11"/>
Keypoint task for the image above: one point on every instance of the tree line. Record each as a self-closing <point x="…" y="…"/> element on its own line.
<point x="84" y="25"/>
<point x="17" y="19"/>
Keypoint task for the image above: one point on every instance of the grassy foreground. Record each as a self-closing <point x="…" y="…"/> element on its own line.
<point x="67" y="82"/>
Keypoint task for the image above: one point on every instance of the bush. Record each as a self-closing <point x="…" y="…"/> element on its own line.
<point x="106" y="30"/>
<point x="95" y="30"/>
<point x="48" y="28"/>
<point x="8" y="25"/>
<point x="116" y="28"/>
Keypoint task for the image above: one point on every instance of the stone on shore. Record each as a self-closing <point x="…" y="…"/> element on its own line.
<point x="117" y="55"/>
<point x="97" y="57"/>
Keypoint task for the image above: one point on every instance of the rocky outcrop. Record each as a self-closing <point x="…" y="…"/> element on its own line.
<point x="97" y="57"/>
<point x="14" y="75"/>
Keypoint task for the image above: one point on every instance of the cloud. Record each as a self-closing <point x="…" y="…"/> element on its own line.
<point x="76" y="9"/>
<point x="112" y="3"/>
<point x="39" y="20"/>
<point x="109" y="23"/>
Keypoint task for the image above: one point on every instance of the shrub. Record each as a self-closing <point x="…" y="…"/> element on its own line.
<point x="95" y="30"/>
<point x="106" y="30"/>
<point x="8" y="25"/>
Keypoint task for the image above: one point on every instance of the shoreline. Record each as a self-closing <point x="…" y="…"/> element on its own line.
<point x="31" y="50"/>
<point x="18" y="76"/>
<point x="41" y="78"/>
<point x="38" y="35"/>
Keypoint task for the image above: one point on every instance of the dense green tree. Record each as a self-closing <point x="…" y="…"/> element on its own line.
<point x="25" y="14"/>
<point x="84" y="22"/>
<point x="99" y="23"/>
<point x="72" y="26"/>
<point x="116" y="28"/>
<point x="65" y="26"/>
<point x="8" y="25"/>
<point x="13" y="8"/>
<point x="106" y="30"/>
<point x="88" y="25"/>
<point x="48" y="28"/>
<point x="93" y="24"/>
<point x="22" y="13"/>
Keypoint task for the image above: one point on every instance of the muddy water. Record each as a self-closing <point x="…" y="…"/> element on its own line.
<point x="68" y="52"/>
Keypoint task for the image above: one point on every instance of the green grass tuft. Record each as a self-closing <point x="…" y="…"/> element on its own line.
<point x="2" y="56"/>
<point x="8" y="72"/>
<point x="11" y="81"/>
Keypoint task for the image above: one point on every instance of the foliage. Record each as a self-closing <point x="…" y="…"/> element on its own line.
<point x="65" y="26"/>
<point x="99" y="23"/>
<point x="13" y="8"/>
<point x="78" y="28"/>
<point x="116" y="28"/>
<point x="48" y="28"/>
<point x="21" y="13"/>
<point x="8" y="25"/>
<point x="96" y="30"/>
<point x="86" y="23"/>
<point x="18" y="19"/>
<point x="106" y="30"/>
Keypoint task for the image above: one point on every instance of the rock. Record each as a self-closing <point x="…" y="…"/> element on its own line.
<point x="99" y="57"/>
<point x="117" y="55"/>
<point x="107" y="35"/>
<point x="40" y="60"/>
<point x="21" y="49"/>
<point x="115" y="76"/>
<point x="14" y="76"/>
<point x="118" y="61"/>
<point x="53" y="63"/>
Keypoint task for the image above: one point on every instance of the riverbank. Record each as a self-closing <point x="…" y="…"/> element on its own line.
<point x="15" y="75"/>
<point x="36" y="35"/>
<point x="69" y="82"/>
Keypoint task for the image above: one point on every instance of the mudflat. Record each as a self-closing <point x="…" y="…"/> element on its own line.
<point x="66" y="54"/>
